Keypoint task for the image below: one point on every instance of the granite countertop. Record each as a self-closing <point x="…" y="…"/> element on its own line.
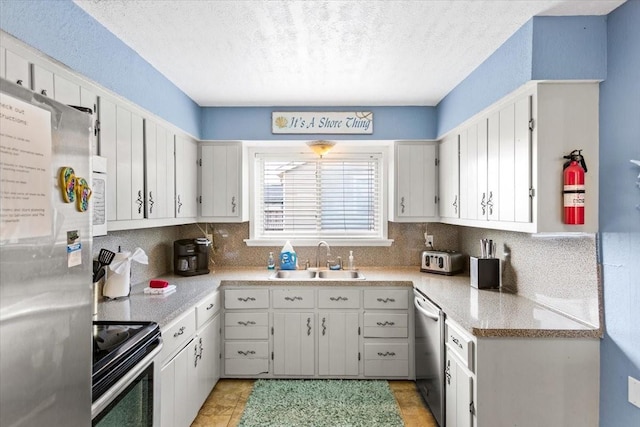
<point x="484" y="313"/>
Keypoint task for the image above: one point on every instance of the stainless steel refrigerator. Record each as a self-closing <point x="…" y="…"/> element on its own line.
<point x="45" y="258"/>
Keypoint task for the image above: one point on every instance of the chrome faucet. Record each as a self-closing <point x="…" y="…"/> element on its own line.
<point x="321" y="243"/>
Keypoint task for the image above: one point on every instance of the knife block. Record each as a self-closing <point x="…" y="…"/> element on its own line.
<point x="484" y="272"/>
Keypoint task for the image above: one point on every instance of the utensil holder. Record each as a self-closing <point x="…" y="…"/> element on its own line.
<point x="485" y="272"/>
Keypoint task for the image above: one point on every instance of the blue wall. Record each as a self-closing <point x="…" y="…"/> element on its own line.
<point x="65" y="32"/>
<point x="254" y="123"/>
<point x="545" y="48"/>
<point x="619" y="218"/>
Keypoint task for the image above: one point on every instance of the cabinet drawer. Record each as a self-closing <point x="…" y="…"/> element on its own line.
<point x="246" y="350"/>
<point x="386" y="299"/>
<point x="293" y="298"/>
<point x="460" y="343"/>
<point x="386" y="360"/>
<point x="246" y="325"/>
<point x="207" y="309"/>
<point x="386" y="325"/>
<point x="338" y="298"/>
<point x="252" y="367"/>
<point x="246" y="298"/>
<point x="177" y="333"/>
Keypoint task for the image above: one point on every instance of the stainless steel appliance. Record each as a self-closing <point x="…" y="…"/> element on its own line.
<point x="191" y="256"/>
<point x="126" y="374"/>
<point x="429" y="354"/>
<point x="441" y="262"/>
<point x="45" y="262"/>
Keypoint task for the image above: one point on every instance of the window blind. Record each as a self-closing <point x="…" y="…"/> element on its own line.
<point x="310" y="197"/>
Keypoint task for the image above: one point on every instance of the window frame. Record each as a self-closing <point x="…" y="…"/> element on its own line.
<point x="273" y="148"/>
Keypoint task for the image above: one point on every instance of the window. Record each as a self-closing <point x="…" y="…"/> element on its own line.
<point x="299" y="196"/>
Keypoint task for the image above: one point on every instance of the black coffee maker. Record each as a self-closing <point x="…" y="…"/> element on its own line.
<point x="191" y="256"/>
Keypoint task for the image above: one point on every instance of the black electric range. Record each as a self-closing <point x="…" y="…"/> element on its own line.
<point x="117" y="347"/>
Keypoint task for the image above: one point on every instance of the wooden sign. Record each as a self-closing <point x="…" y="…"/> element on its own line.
<point x="337" y="122"/>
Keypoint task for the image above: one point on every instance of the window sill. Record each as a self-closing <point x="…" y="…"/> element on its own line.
<point x="314" y="242"/>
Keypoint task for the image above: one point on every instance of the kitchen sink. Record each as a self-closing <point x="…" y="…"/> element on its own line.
<point x="317" y="275"/>
<point x="294" y="274"/>
<point x="340" y="275"/>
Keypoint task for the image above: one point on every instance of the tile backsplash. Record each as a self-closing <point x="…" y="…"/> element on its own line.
<point x="560" y="272"/>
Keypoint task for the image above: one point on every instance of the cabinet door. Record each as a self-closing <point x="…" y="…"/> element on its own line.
<point x="468" y="201"/>
<point x="159" y="171"/>
<point x="43" y="81"/>
<point x="89" y="99"/>
<point x="448" y="177"/>
<point x="416" y="181"/>
<point x="220" y="180"/>
<point x="108" y="149"/>
<point x="207" y="360"/>
<point x="66" y="91"/>
<point x="338" y="334"/>
<point x="17" y="69"/>
<point x="482" y="170"/>
<point x="458" y="393"/>
<point x="3" y="68"/>
<point x="186" y="177"/>
<point x="293" y="344"/>
<point x="522" y="160"/>
<point x="123" y="164"/>
<point x="167" y="394"/>
<point x="493" y="166"/>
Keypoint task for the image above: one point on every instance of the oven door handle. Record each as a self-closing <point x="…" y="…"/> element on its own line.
<point x="103" y="401"/>
<point x="422" y="310"/>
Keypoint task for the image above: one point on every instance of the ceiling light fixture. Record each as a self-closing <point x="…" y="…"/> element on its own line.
<point x="320" y="146"/>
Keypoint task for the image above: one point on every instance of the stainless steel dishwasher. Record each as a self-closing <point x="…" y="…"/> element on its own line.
<point x="429" y="348"/>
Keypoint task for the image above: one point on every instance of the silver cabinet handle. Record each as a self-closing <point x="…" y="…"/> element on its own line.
<point x="150" y="201"/>
<point x="44" y="92"/>
<point x="456" y="342"/>
<point x="179" y="204"/>
<point x="246" y="299"/>
<point x="483" y="204"/>
<point x="455" y="204"/>
<point x="308" y="326"/>
<point x="247" y="323"/>
<point x="180" y="332"/>
<point x="19" y="82"/>
<point x="386" y="353"/>
<point x="233" y="204"/>
<point x="402" y="204"/>
<point x="324" y="326"/>
<point x="490" y="203"/>
<point x="447" y="372"/>
<point x="139" y="201"/>
<point x="246" y="353"/>
<point x="338" y="299"/>
<point x="386" y="300"/>
<point x="210" y="306"/>
<point x="293" y="298"/>
<point x="385" y="323"/>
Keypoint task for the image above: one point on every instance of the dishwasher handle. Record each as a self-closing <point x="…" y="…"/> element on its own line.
<point x="421" y="309"/>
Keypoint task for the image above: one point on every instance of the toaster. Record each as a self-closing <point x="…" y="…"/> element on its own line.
<point x="442" y="262"/>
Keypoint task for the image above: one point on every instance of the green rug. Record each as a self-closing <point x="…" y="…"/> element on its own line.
<point x="321" y="403"/>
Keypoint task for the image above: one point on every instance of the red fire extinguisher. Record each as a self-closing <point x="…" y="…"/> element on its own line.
<point x="573" y="176"/>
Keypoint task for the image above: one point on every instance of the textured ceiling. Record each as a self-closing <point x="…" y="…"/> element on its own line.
<point x="329" y="53"/>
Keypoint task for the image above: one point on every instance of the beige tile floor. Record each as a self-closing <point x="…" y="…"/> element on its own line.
<point x="226" y="402"/>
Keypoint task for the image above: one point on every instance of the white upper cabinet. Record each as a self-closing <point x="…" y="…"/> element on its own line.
<point x="416" y="174"/>
<point x="42" y="81"/>
<point x="222" y="182"/>
<point x="159" y="171"/>
<point x="511" y="159"/>
<point x="186" y="177"/>
<point x="16" y="69"/>
<point x="449" y="205"/>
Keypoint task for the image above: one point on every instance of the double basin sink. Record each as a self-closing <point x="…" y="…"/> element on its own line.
<point x="317" y="275"/>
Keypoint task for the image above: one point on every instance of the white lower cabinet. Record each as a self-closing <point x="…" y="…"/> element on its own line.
<point x="338" y="350"/>
<point x="458" y="392"/>
<point x="315" y="331"/>
<point x="294" y="344"/>
<point x="191" y="362"/>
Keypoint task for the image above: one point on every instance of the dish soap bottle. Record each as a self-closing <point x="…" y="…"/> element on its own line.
<point x="271" y="262"/>
<point x="351" y="265"/>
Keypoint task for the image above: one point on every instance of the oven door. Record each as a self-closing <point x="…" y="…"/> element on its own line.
<point x="134" y="400"/>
